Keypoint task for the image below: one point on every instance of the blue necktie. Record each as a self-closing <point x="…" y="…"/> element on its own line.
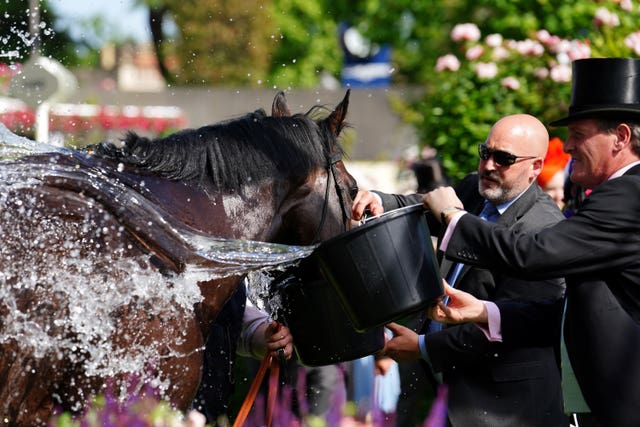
<point x="489" y="212"/>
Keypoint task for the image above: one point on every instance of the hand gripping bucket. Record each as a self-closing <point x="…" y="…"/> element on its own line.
<point x="322" y="331"/>
<point x="384" y="269"/>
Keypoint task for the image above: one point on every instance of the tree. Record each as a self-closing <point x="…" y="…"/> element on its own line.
<point x="221" y="41"/>
<point x="158" y="10"/>
<point x="305" y="43"/>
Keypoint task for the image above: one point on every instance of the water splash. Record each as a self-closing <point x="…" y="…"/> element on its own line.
<point x="13" y="146"/>
<point x="94" y="280"/>
<point x="236" y="256"/>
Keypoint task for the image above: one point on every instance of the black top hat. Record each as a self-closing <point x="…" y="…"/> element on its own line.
<point x="604" y="87"/>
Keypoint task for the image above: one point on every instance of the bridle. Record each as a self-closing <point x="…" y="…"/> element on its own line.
<point x="332" y="172"/>
<point x="268" y="361"/>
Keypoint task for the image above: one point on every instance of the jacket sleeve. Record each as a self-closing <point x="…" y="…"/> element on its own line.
<point x="531" y="322"/>
<point x="541" y="319"/>
<point x="459" y="345"/>
<point x="252" y="319"/>
<point x="396" y="201"/>
<point x="603" y="235"/>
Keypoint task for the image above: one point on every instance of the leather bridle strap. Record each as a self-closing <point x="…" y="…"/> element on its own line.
<point x="331" y="167"/>
<point x="345" y="213"/>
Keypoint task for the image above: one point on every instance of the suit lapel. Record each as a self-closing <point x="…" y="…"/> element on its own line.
<point x="520" y="206"/>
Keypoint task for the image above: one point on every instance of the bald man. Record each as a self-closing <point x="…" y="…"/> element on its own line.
<point x="489" y="383"/>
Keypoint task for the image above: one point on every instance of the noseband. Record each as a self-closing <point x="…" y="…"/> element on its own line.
<point x="331" y="167"/>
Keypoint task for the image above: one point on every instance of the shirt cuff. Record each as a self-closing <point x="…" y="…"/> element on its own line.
<point x="251" y="321"/>
<point x="492" y="329"/>
<point x="450" y="228"/>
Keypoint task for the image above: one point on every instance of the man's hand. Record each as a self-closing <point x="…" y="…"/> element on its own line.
<point x="440" y="199"/>
<point x="277" y="336"/>
<point x="382" y="365"/>
<point x="365" y="200"/>
<point x="403" y="346"/>
<point x="462" y="307"/>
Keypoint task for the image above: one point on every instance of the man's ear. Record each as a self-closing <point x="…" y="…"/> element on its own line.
<point x="623" y="135"/>
<point x="536" y="166"/>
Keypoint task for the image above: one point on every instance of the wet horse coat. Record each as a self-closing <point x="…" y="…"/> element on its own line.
<point x="87" y="234"/>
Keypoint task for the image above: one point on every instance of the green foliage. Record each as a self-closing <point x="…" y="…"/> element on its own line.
<point x="280" y="43"/>
<point x="305" y="43"/>
<point x="222" y="42"/>
<point x="532" y="72"/>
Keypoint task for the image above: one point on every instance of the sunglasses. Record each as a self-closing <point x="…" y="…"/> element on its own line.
<point x="502" y="158"/>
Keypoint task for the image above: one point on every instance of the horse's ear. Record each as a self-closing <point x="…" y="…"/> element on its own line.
<point x="336" y="118"/>
<point x="279" y="107"/>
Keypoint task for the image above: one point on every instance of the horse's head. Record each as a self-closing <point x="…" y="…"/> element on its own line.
<point x="327" y="194"/>
<point x="277" y="178"/>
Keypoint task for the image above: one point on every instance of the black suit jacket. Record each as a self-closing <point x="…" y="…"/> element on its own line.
<point x="493" y="384"/>
<point x="598" y="252"/>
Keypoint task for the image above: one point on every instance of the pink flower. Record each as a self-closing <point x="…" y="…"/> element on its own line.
<point x="474" y="52"/>
<point x="547" y="38"/>
<point x="626" y="5"/>
<point x="447" y="62"/>
<point x="604" y="17"/>
<point x="541" y="73"/>
<point x="494" y="40"/>
<point x="486" y="70"/>
<point x="561" y="73"/>
<point x="632" y="41"/>
<point x="462" y="32"/>
<point x="510" y="83"/>
<point x="563" y="46"/>
<point x="500" y="53"/>
<point x="529" y="47"/>
<point x="579" y="50"/>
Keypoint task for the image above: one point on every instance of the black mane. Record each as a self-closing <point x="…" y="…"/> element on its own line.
<point x="230" y="154"/>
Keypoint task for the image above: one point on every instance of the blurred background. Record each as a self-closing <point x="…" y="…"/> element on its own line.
<point x="428" y="77"/>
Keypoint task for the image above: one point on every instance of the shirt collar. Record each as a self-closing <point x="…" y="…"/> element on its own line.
<point x="624" y="169"/>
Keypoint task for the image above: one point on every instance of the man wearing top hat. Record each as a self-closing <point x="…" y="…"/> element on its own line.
<point x="597" y="250"/>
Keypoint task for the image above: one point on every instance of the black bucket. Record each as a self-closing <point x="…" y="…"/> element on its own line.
<point x="384" y="269"/>
<point x="322" y="331"/>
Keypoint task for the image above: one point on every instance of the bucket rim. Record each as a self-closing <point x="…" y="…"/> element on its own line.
<point x="373" y="222"/>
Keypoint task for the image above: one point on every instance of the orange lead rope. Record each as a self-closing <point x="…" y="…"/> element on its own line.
<point x="266" y="363"/>
<point x="273" y="391"/>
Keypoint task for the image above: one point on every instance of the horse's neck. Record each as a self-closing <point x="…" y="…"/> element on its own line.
<point x="249" y="216"/>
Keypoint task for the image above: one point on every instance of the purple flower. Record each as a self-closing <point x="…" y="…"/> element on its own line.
<point x="438" y="413"/>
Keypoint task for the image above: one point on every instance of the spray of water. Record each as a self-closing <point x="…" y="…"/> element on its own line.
<point x="43" y="267"/>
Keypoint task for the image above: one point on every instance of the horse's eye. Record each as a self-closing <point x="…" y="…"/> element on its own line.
<point x="353" y="192"/>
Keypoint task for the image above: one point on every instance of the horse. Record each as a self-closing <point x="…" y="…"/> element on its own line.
<point x="102" y="272"/>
